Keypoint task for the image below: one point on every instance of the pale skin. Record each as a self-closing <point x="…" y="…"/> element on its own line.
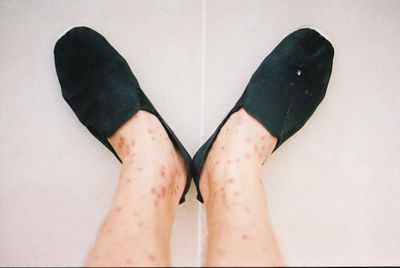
<point x="137" y="228"/>
<point x="239" y="228"/>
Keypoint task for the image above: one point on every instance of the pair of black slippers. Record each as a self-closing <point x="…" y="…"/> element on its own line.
<point x="282" y="94"/>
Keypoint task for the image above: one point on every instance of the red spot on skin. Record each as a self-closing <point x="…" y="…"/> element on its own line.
<point x="131" y="162"/>
<point x="263" y="137"/>
<point x="118" y="209"/>
<point x="128" y="180"/>
<point x="120" y="143"/>
<point x="247" y="156"/>
<point x="140" y="168"/>
<point x="135" y="214"/>
<point x="231" y="180"/>
<point x="163" y="190"/>
<point x="248" y="139"/>
<point x="244" y="237"/>
<point x="140" y="224"/>
<point x="152" y="258"/>
<point x="162" y="173"/>
<point x="108" y="231"/>
<point x="156" y="203"/>
<point x="128" y="261"/>
<point x="222" y="189"/>
<point x="153" y="190"/>
<point x="223" y="147"/>
<point x="229" y="162"/>
<point x="253" y="223"/>
<point x="96" y="258"/>
<point x="227" y="129"/>
<point x="153" y="139"/>
<point x="149" y="131"/>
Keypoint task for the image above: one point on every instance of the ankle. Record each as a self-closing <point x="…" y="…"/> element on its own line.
<point x="242" y="140"/>
<point x="239" y="151"/>
<point x="245" y="136"/>
<point x="145" y="149"/>
<point x="140" y="134"/>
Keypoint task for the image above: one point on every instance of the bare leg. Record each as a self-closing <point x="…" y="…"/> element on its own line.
<point x="137" y="229"/>
<point x="239" y="230"/>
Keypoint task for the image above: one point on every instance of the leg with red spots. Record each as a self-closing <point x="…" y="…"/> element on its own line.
<point x="137" y="228"/>
<point x="234" y="196"/>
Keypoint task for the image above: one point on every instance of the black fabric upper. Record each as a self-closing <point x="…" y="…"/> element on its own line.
<point x="284" y="91"/>
<point x="99" y="86"/>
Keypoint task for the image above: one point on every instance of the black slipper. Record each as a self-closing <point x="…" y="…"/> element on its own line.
<point x="99" y="86"/>
<point x="284" y="91"/>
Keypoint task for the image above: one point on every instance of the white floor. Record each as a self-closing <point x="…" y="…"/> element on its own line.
<point x="333" y="189"/>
